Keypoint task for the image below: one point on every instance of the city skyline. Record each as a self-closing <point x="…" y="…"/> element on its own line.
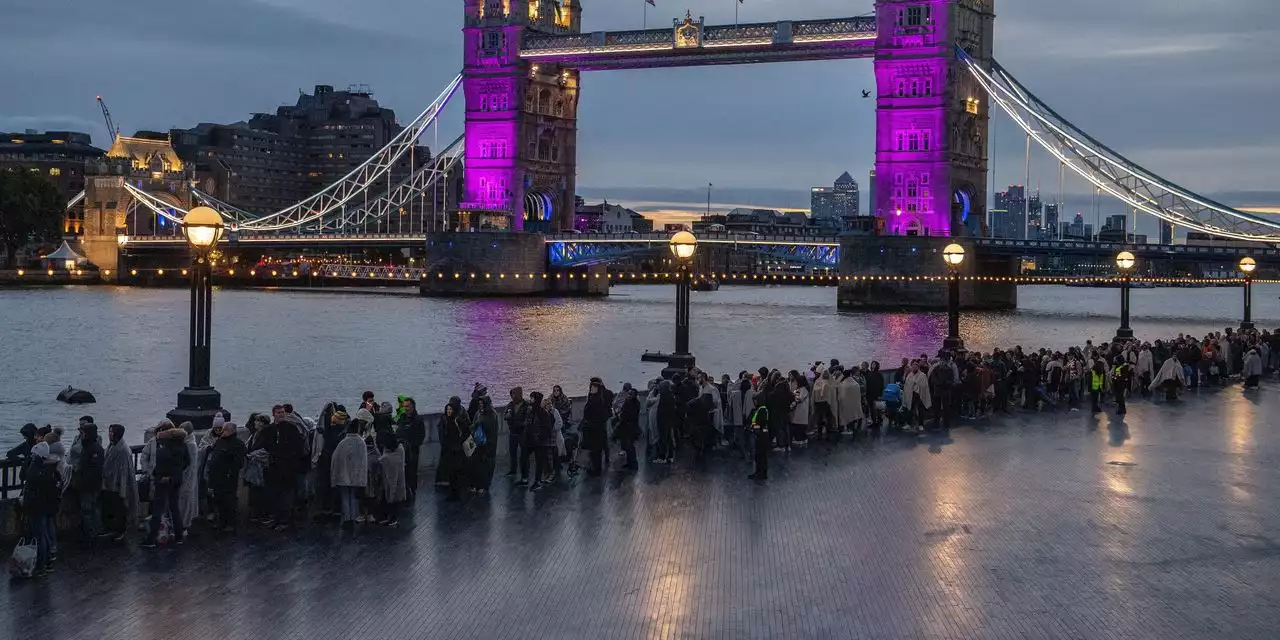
<point x="631" y="121"/>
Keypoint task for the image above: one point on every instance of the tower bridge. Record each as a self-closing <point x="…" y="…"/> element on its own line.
<point x="522" y="63"/>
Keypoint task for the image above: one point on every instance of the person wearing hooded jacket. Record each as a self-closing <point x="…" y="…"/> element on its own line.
<point x="41" y="497"/>
<point x="454" y="429"/>
<point x="226" y="458"/>
<point x="119" y="486"/>
<point x="349" y="472"/>
<point x="87" y="480"/>
<point x="171" y="462"/>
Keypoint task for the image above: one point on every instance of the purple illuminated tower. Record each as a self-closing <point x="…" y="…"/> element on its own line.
<point x="521" y="122"/>
<point x="931" y="116"/>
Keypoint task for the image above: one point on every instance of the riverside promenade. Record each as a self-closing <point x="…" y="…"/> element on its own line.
<point x="1165" y="524"/>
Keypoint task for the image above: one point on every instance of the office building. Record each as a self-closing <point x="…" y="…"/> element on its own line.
<point x="1116" y="222"/>
<point x="58" y="155"/>
<point x="1166" y="232"/>
<point x="871" y="192"/>
<point x="839" y="201"/>
<point x="1051" y="219"/>
<point x="276" y="159"/>
<point x="1077" y="229"/>
<point x="1009" y="216"/>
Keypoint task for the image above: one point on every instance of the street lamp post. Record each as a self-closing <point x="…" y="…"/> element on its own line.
<point x="953" y="254"/>
<point x="1247" y="265"/>
<point x="683" y="245"/>
<point x="199" y="401"/>
<point x="1125" y="261"/>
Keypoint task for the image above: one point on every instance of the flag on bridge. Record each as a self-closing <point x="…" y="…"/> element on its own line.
<point x="651" y="3"/>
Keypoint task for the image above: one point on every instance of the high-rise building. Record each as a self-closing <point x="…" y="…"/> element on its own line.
<point x="1035" y="221"/>
<point x="57" y="155"/>
<point x="837" y="201"/>
<point x="1166" y="232"/>
<point x="1077" y="228"/>
<point x="1009" y="217"/>
<point x="274" y="160"/>
<point x="1051" y="219"/>
<point x="1116" y="222"/>
<point x="871" y="192"/>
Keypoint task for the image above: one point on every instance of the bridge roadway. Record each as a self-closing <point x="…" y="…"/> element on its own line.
<point x="692" y="43"/>
<point x="1161" y="525"/>
<point x="579" y="249"/>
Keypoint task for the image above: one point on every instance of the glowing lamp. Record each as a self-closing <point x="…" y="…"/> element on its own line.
<point x="1248" y="264"/>
<point x="1125" y="260"/>
<point x="122" y="239"/>
<point x="683" y="244"/>
<point x="953" y="254"/>
<point x="202" y="227"/>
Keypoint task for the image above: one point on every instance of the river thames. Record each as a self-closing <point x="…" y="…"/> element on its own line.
<point x="128" y="345"/>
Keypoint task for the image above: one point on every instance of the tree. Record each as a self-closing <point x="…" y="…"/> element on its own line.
<point x="31" y="210"/>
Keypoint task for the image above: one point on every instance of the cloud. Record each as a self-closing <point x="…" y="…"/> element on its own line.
<point x="1144" y="76"/>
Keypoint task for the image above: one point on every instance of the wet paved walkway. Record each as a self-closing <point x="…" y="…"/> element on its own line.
<point x="1163" y="526"/>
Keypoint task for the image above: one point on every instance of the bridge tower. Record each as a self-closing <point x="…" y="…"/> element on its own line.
<point x="521" y="118"/>
<point x="931" y="116"/>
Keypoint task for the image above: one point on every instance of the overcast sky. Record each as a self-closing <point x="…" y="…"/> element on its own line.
<point x="1189" y="89"/>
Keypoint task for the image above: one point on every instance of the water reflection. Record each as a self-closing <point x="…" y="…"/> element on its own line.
<point x="128" y="345"/>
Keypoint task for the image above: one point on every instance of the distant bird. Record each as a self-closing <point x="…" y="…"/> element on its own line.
<point x="866" y="93"/>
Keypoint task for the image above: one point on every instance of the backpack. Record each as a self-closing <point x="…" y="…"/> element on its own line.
<point x="941" y="377"/>
<point x="760" y="416"/>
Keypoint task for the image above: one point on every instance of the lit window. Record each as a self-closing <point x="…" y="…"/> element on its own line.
<point x="55" y="171"/>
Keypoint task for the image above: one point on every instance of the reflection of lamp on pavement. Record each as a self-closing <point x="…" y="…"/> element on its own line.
<point x="1247" y="265"/>
<point x="953" y="255"/>
<point x="1125" y="261"/>
<point x="198" y="402"/>
<point x="683" y="245"/>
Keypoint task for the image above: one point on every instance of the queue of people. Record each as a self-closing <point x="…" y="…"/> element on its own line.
<point x="360" y="468"/>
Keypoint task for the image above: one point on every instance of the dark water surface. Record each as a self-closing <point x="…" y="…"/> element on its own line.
<point x="128" y="346"/>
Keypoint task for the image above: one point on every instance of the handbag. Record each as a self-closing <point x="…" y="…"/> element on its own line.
<point x="22" y="564"/>
<point x="469" y="446"/>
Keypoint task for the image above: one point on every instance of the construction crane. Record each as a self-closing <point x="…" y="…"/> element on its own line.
<point x="106" y="116"/>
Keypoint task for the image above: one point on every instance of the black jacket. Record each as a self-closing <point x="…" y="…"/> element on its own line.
<point x="43" y="489"/>
<point x="88" y="472"/>
<point x="517" y="416"/>
<point x="283" y="440"/>
<point x="411" y="429"/>
<point x="172" y="459"/>
<point x="226" y="457"/>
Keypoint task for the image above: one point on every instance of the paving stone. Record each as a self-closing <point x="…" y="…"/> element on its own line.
<point x="1163" y="525"/>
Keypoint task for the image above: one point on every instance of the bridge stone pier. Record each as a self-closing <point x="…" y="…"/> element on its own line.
<point x="502" y="264"/>
<point x="900" y="258"/>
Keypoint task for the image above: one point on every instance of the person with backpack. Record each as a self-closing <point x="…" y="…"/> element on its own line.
<point x="762" y="442"/>
<point x="485" y="432"/>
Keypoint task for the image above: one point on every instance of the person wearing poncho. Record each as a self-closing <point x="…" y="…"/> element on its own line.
<point x="119" y="486"/>
<point x="349" y="472"/>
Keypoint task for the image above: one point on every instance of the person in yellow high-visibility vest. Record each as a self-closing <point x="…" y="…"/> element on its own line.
<point x="1097" y="384"/>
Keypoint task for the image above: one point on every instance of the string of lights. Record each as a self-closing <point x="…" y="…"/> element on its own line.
<point x="409" y="273"/>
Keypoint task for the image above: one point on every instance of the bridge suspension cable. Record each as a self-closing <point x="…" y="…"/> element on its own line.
<point x="338" y="194"/>
<point x="1112" y="172"/>
<point x="422" y="179"/>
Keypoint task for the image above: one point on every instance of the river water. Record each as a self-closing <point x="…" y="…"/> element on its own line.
<point x="128" y="346"/>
